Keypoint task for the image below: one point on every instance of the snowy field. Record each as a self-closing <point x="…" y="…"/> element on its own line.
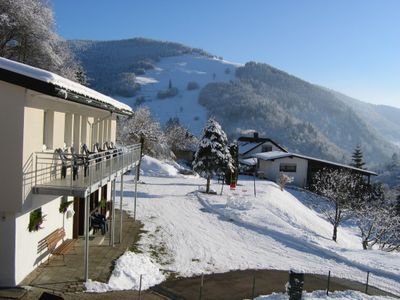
<point x="192" y="233"/>
<point x="182" y="69"/>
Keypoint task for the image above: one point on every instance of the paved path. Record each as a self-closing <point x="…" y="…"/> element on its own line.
<point x="238" y="285"/>
<point x="63" y="277"/>
<point x="226" y="286"/>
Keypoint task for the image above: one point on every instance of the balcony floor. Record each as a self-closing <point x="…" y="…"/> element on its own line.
<point x="81" y="186"/>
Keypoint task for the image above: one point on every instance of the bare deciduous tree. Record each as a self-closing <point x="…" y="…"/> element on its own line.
<point x="337" y="187"/>
<point x="27" y="35"/>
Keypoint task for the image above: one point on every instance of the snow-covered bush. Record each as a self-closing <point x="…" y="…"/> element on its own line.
<point x="168" y="93"/>
<point x="238" y="202"/>
<point x="283" y="179"/>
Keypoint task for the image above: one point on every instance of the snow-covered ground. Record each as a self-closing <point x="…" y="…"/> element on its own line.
<point x="181" y="69"/>
<point x="192" y="233"/>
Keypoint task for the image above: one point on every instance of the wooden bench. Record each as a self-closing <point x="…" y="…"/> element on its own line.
<point x="50" y="243"/>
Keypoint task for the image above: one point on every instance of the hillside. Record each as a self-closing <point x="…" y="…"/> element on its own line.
<point x="384" y="119"/>
<point x="176" y="81"/>
<point x="189" y="233"/>
<point x="111" y="66"/>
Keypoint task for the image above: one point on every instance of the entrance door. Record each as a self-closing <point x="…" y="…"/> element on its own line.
<point x="79" y="217"/>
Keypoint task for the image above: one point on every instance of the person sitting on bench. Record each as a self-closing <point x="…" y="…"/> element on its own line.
<point x="99" y="220"/>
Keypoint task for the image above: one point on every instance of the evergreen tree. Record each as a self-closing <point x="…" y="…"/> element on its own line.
<point x="397" y="205"/>
<point x="357" y="158"/>
<point x="232" y="175"/>
<point x="212" y="156"/>
<point x="170" y="84"/>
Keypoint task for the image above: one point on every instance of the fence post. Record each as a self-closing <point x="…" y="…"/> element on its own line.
<point x="329" y="281"/>
<point x="366" y="285"/>
<point x="201" y="286"/>
<point x="140" y="286"/>
<point x="254" y="287"/>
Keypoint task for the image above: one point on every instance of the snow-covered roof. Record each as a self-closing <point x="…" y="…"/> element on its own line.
<point x="245" y="147"/>
<point x="248" y="161"/>
<point x="272" y="155"/>
<point x="64" y="85"/>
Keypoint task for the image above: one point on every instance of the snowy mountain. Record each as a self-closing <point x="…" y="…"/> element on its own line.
<point x="176" y="81"/>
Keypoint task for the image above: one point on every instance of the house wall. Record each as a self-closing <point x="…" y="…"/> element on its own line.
<point x="28" y="120"/>
<point x="271" y="170"/>
<point x="259" y="149"/>
<point x="12" y="100"/>
<point x="7" y="249"/>
<point x="26" y="242"/>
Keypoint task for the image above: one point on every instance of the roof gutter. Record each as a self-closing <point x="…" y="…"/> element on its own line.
<point x="55" y="91"/>
<point x="77" y="98"/>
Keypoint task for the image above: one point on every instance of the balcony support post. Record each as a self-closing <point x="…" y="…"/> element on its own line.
<point x="120" y="207"/>
<point x="86" y="226"/>
<point x="113" y="213"/>
<point x="136" y="179"/>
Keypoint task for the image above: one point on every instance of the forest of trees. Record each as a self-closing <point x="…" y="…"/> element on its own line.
<point x="303" y="117"/>
<point x="130" y="58"/>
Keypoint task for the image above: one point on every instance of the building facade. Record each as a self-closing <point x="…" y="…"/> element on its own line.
<point x="39" y="113"/>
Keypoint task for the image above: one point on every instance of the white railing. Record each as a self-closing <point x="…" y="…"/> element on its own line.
<point x="81" y="171"/>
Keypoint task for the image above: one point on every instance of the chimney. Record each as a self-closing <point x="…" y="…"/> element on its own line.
<point x="255" y="134"/>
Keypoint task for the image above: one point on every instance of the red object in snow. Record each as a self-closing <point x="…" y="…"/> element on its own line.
<point x="233" y="185"/>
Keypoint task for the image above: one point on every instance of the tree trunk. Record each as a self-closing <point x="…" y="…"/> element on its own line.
<point x="208" y="184"/>
<point x="336" y="223"/>
<point x="334" y="237"/>
<point x="365" y="244"/>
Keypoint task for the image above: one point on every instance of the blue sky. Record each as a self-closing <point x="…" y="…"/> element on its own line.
<point x="352" y="46"/>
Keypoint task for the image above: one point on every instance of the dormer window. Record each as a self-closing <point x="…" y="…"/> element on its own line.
<point x="266" y="148"/>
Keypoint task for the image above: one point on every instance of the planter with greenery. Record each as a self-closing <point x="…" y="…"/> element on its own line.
<point x="36" y="219"/>
<point x="64" y="206"/>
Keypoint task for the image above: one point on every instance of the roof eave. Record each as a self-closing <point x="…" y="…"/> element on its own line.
<point x="55" y="91"/>
<point x="84" y="100"/>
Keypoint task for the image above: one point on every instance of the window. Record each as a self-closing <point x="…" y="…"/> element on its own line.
<point x="266" y="148"/>
<point x="285" y="167"/>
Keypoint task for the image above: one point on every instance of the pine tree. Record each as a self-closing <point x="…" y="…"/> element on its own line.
<point x="212" y="156"/>
<point x="357" y="158"/>
<point x="232" y="175"/>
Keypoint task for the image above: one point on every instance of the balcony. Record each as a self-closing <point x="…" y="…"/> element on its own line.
<point x="80" y="175"/>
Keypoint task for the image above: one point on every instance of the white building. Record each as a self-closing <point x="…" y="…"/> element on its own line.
<point x="300" y="167"/>
<point x="40" y="112"/>
<point x="268" y="159"/>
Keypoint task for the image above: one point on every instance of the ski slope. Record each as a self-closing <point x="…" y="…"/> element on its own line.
<point x="198" y="233"/>
<point x="181" y="70"/>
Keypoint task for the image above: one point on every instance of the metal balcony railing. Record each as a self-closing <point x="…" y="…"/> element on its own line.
<point x="77" y="175"/>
